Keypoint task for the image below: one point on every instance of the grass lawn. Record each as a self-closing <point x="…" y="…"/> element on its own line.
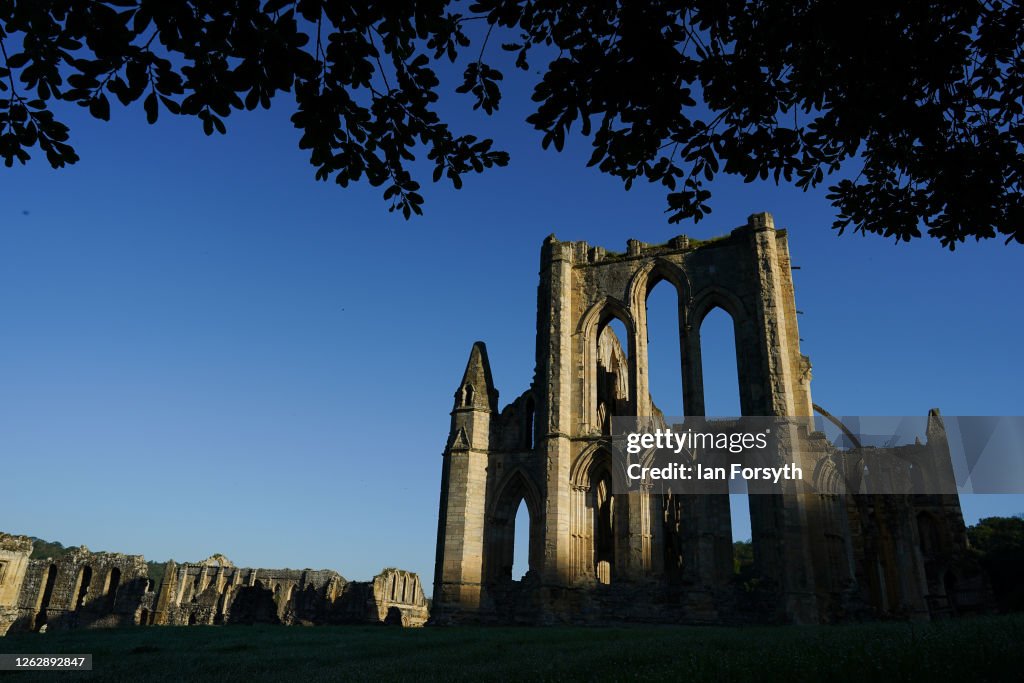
<point x="981" y="649"/>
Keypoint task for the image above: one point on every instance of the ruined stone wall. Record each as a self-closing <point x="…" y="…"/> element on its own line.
<point x="208" y="594"/>
<point x="912" y="557"/>
<point x="398" y="598"/>
<point x="583" y="378"/>
<point x="196" y="594"/>
<point x="96" y="590"/>
<point x="14" y="564"/>
<point x="83" y="590"/>
<point x="594" y="555"/>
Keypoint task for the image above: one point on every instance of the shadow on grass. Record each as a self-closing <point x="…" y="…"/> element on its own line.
<point x="964" y="650"/>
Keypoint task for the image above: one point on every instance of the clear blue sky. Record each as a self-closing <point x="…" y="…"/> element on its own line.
<point x="204" y="350"/>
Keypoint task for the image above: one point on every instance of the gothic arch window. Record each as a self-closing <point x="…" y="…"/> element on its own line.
<point x="607" y="332"/>
<point x="521" y="541"/>
<point x="720" y="363"/>
<point x="664" y="317"/>
<point x="598" y="519"/>
<point x="613" y="374"/>
<point x="507" y="521"/>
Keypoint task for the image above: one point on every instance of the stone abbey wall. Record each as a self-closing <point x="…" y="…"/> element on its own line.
<point x="595" y="555"/>
<point x="209" y="593"/>
<point x="14" y="562"/>
<point x="84" y="589"/>
<point x="80" y="590"/>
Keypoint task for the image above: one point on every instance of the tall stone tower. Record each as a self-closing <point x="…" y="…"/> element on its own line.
<point x="595" y="554"/>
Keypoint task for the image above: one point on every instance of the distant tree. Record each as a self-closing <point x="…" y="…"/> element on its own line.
<point x="742" y="556"/>
<point x="912" y="108"/>
<point x="42" y="550"/>
<point x="999" y="544"/>
<point x="156" y="572"/>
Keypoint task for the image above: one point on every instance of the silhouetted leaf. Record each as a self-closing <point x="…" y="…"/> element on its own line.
<point x="152" y="108"/>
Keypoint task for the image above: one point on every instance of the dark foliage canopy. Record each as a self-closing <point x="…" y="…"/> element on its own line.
<point x="999" y="545"/>
<point x="47" y="549"/>
<point x="911" y="109"/>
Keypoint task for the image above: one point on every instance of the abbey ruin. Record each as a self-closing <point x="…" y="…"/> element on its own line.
<point x="821" y="554"/>
<point x="824" y="550"/>
<point x="83" y="589"/>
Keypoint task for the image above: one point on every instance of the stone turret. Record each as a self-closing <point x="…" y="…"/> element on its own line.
<point x="460" y="531"/>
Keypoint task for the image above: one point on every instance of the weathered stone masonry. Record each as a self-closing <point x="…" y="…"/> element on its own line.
<point x="80" y="590"/>
<point x="596" y="556"/>
<point x="94" y="590"/>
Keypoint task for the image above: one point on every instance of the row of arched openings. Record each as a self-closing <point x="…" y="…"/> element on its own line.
<point x="719" y="368"/>
<point x="80" y="593"/>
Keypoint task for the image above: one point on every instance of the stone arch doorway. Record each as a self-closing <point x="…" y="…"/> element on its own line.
<point x="499" y="537"/>
<point x="599" y="521"/>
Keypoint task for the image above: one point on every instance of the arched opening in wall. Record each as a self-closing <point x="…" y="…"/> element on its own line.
<point x="222" y="604"/>
<point x="82" y="587"/>
<point x="43" y="602"/>
<point x="521" y="544"/>
<point x="720" y="370"/>
<point x="513" y="535"/>
<point x="604" y="527"/>
<point x="192" y="619"/>
<point x="674" y="510"/>
<point x="113" y="580"/>
<point x="613" y="377"/>
<point x="530" y="426"/>
<point x="467" y="396"/>
<point x="719" y="365"/>
<point x="742" y="544"/>
<point x="664" y="357"/>
<point x="144" y="617"/>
